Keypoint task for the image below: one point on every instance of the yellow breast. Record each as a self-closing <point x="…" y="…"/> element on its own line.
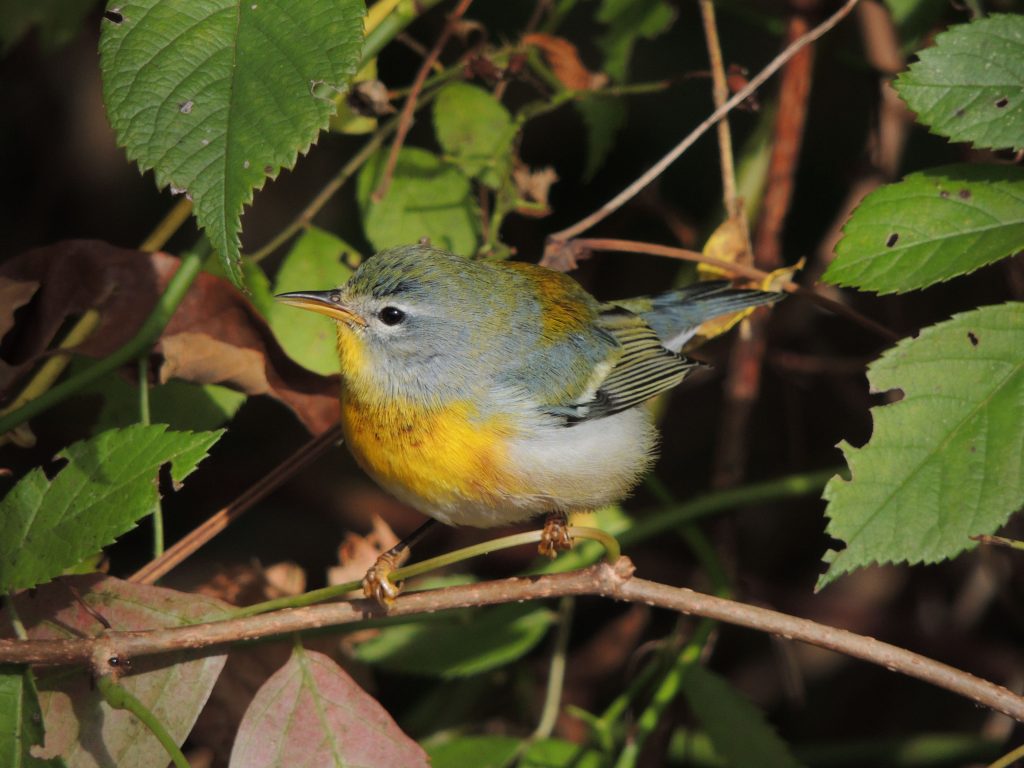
<point x="431" y="457"/>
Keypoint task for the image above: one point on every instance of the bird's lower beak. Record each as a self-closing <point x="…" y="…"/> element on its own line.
<point x="325" y="302"/>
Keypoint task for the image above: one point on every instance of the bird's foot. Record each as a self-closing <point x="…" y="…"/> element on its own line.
<point x="377" y="584"/>
<point x="555" y="537"/>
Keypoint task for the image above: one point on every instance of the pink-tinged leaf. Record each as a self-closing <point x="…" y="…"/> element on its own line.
<point x="80" y="726"/>
<point x="311" y="713"/>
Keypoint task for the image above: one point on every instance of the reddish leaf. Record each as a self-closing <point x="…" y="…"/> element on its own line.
<point x="215" y="337"/>
<point x="310" y="712"/>
<point x="565" y="63"/>
<point x="80" y="726"/>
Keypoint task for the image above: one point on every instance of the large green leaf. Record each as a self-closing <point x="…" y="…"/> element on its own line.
<point x="947" y="461"/>
<point x="603" y="118"/>
<point x="21" y="722"/>
<point x="311" y="713"/>
<point x="970" y="85"/>
<point x="80" y="726"/>
<point x="427" y="198"/>
<point x="108" y="484"/>
<point x="736" y="727"/>
<point x="930" y="227"/>
<point x="466" y="642"/>
<point x="475" y="131"/>
<point x="313" y="264"/>
<point x="218" y="95"/>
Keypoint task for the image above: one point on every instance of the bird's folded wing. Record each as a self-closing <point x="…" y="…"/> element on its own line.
<point x="640" y="368"/>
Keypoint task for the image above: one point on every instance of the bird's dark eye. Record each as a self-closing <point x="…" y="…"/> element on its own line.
<point x="391" y="315"/>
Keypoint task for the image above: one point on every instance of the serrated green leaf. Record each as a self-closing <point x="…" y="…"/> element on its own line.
<point x="736" y="727"/>
<point x="947" y="461"/>
<point x="314" y="263"/>
<point x="108" y="484"/>
<point x="475" y="131"/>
<point x="21" y="722"/>
<point x="468" y="642"/>
<point x="312" y="713"/>
<point x="218" y="95"/>
<point x="969" y="86"/>
<point x="427" y="198"/>
<point x="930" y="227"/>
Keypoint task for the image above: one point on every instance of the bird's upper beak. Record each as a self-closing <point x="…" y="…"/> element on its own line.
<point x="325" y="302"/>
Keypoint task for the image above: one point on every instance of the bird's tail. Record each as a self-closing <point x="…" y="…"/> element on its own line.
<point x="676" y="315"/>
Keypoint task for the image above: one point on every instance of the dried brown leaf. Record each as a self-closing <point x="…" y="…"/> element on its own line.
<point x="357" y="553"/>
<point x="565" y="63"/>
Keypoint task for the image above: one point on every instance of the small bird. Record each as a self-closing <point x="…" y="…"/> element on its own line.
<point x="484" y="393"/>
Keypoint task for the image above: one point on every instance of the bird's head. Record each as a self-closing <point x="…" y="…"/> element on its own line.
<point x="414" y="319"/>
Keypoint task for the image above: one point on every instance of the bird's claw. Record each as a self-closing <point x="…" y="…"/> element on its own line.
<point x="555" y="537"/>
<point x="377" y="584"/>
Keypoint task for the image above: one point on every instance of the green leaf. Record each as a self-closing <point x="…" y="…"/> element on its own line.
<point x="218" y="95"/>
<point x="57" y="21"/>
<point x="80" y="726"/>
<point x="475" y="131"/>
<point x="21" y="722"/>
<point x="736" y="727"/>
<point x="314" y="263"/>
<point x="466" y="642"/>
<point x="628" y="21"/>
<point x="311" y="713"/>
<point x="427" y="198"/>
<point x="969" y="86"/>
<point x="499" y="751"/>
<point x="603" y="118"/>
<point x="107" y="485"/>
<point x="944" y="463"/>
<point x="930" y="227"/>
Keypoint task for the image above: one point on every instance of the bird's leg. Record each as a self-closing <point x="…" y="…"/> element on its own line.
<point x="555" y="537"/>
<point x="377" y="584"/>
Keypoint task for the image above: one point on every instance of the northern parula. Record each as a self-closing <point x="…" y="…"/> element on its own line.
<point x="483" y="393"/>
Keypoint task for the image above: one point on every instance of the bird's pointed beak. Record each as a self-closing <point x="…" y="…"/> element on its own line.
<point x="324" y="302"/>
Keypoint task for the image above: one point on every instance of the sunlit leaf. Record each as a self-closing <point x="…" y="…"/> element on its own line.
<point x="475" y="131"/>
<point x="969" y="86"/>
<point x="947" y="461"/>
<point x="108" y="484"/>
<point x="313" y="264"/>
<point x="932" y="226"/>
<point x="427" y="198"/>
<point x="218" y="95"/>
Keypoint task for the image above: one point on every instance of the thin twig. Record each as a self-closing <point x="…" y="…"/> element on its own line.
<point x="720" y="94"/>
<point x="405" y="117"/>
<point x="612" y="581"/>
<point x="743" y="376"/>
<point x="656" y="170"/>
<point x="739" y="270"/>
<point x="218" y="521"/>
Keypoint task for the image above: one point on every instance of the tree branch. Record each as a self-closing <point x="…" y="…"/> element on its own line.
<point x="612" y="581"/>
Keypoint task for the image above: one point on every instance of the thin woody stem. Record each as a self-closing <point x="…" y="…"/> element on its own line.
<point x="611" y="581"/>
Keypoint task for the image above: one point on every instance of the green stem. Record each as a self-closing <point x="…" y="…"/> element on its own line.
<point x="418" y="569"/>
<point x="144" y="418"/>
<point x="396" y="21"/>
<point x="141" y="342"/>
<point x="16" y="624"/>
<point x="665" y="693"/>
<point x="1010" y="758"/>
<point x="120" y="698"/>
